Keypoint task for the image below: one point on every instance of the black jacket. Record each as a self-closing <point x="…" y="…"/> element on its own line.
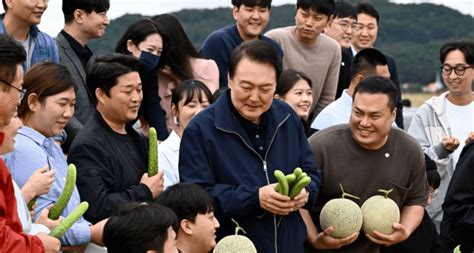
<point x="109" y="167"/>
<point x="457" y="226"/>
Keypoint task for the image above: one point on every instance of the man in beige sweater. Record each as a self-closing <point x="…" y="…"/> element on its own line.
<point x="307" y="49"/>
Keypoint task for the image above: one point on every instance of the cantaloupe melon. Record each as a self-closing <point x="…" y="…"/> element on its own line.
<point x="379" y="213"/>
<point x="235" y="243"/>
<point x="343" y="215"/>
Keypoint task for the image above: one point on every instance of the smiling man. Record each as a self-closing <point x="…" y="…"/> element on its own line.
<point x="369" y="158"/>
<point x="110" y="156"/>
<point x="84" y="20"/>
<point x="234" y="146"/>
<point x="20" y="22"/>
<point x="251" y="17"/>
<point x="307" y="49"/>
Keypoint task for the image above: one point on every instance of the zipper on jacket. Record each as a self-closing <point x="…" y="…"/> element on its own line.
<point x="265" y="169"/>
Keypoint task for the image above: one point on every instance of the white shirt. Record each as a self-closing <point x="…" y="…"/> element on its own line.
<point x="461" y="121"/>
<point x="337" y="112"/>
<point x="168" y="157"/>
<point x="24" y="214"/>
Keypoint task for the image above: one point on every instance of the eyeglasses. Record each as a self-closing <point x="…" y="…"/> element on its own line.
<point x="22" y="91"/>
<point x="458" y="69"/>
<point x="344" y="26"/>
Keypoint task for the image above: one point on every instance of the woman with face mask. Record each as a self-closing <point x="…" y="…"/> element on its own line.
<point x="188" y="99"/>
<point x="143" y="40"/>
<point x="294" y="87"/>
<point x="45" y="110"/>
<point x="181" y="62"/>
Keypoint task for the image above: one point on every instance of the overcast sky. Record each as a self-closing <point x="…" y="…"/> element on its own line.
<point x="52" y="20"/>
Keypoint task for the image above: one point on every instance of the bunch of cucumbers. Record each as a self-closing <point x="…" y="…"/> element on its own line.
<point x="291" y="184"/>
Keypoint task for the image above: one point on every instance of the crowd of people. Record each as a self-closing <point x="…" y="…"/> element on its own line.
<point x="316" y="95"/>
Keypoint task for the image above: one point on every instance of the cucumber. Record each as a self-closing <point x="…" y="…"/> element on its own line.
<point x="153" y="152"/>
<point x="302" y="183"/>
<point x="280" y="177"/>
<point x="66" y="194"/>
<point x="31" y="203"/>
<point x="291" y="178"/>
<point x="67" y="223"/>
<point x="297" y="171"/>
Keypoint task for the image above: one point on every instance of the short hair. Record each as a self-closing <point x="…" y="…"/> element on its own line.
<point x="253" y="3"/>
<point x="181" y="50"/>
<point x="217" y="94"/>
<point x="367" y="8"/>
<point x="69" y="6"/>
<point x="103" y="71"/>
<point x="366" y="61"/>
<point x="432" y="174"/>
<point x="138" y="227"/>
<point x="378" y="85"/>
<point x="187" y="89"/>
<point x="288" y="79"/>
<point x="137" y="32"/>
<point x="11" y="54"/>
<point x="187" y="200"/>
<point x="344" y="10"/>
<point x="45" y="79"/>
<point x="325" y="7"/>
<point x="465" y="46"/>
<point x="257" y="51"/>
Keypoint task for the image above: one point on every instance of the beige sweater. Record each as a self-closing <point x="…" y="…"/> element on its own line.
<point x="321" y="62"/>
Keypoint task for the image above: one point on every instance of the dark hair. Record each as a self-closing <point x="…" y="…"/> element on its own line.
<point x="378" y="85"/>
<point x="366" y="61"/>
<point x="104" y="71"/>
<point x="188" y="89"/>
<point x="465" y="46"/>
<point x="138" y="227"/>
<point x="325" y="7"/>
<point x="69" y="6"/>
<point x="344" y="10"/>
<point x="137" y="32"/>
<point x="253" y="3"/>
<point x="219" y="92"/>
<point x="258" y="51"/>
<point x="45" y="79"/>
<point x="180" y="49"/>
<point x="288" y="79"/>
<point x="367" y="8"/>
<point x="187" y="200"/>
<point x="432" y="174"/>
<point x="11" y="54"/>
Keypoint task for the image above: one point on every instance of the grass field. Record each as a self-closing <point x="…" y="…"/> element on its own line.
<point x="418" y="99"/>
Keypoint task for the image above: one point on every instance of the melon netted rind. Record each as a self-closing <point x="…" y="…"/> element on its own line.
<point x="379" y="213"/>
<point x="343" y="215"/>
<point x="235" y="244"/>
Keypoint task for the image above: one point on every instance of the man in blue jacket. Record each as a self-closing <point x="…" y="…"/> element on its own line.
<point x="233" y="148"/>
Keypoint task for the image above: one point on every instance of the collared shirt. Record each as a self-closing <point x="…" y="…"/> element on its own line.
<point x="32" y="151"/>
<point x="257" y="133"/>
<point x="168" y="157"/>
<point x="337" y="112"/>
<point x="83" y="52"/>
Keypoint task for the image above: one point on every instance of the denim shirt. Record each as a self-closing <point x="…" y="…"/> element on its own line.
<point x="31" y="152"/>
<point x="45" y="48"/>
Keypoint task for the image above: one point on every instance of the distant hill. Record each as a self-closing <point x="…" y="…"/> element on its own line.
<point x="411" y="33"/>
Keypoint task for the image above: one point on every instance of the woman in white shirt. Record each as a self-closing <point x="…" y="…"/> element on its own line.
<point x="188" y="99"/>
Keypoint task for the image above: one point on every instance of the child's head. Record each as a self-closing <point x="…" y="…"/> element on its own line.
<point x="141" y="227"/>
<point x="195" y="211"/>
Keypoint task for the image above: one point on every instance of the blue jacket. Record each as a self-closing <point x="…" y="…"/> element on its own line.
<point x="217" y="154"/>
<point x="45" y="47"/>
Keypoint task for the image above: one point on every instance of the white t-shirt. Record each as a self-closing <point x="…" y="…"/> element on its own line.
<point x="168" y="157"/>
<point x="461" y="121"/>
